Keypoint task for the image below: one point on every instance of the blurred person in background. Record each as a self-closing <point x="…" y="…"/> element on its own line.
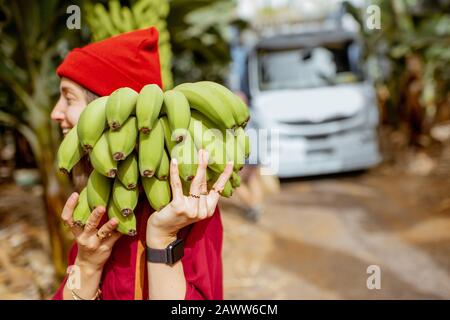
<point x="106" y="264"/>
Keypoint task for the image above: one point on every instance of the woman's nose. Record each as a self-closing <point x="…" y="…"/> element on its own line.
<point x="58" y="113"/>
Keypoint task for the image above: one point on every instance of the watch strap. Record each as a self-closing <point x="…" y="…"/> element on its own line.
<point x="157" y="255"/>
<point x="170" y="255"/>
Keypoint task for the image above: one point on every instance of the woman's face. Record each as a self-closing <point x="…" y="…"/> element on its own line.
<point x="72" y="101"/>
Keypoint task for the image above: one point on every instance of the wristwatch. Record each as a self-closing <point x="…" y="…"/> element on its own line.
<point x="170" y="255"/>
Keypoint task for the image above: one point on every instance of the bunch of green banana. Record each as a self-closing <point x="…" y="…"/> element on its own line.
<point x="235" y="179"/>
<point x="187" y="157"/>
<point x="131" y="137"/>
<point x="157" y="191"/>
<point x="204" y="100"/>
<point x="212" y="142"/>
<point x="120" y="105"/>
<point x="82" y="210"/>
<point x="122" y="141"/>
<point x="127" y="224"/>
<point x="124" y="199"/>
<point x="178" y="112"/>
<point x="70" y="151"/>
<point x="98" y="190"/>
<point x="92" y="123"/>
<point x="101" y="158"/>
<point x="227" y="191"/>
<point x="151" y="147"/>
<point x="148" y="107"/>
<point x="238" y="108"/>
<point x="128" y="172"/>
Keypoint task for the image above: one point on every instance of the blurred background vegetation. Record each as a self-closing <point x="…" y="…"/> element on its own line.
<point x="409" y="58"/>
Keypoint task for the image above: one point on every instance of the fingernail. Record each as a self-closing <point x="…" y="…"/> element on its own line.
<point x="73" y="197"/>
<point x="114" y="221"/>
<point x="174" y="161"/>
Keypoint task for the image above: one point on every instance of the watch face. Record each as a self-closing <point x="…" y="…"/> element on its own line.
<point x="177" y="250"/>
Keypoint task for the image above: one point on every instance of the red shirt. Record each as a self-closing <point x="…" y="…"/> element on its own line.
<point x="125" y="273"/>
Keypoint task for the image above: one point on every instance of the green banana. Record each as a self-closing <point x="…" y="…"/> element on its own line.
<point x="205" y="138"/>
<point x="128" y="171"/>
<point x="115" y="14"/>
<point x="92" y="123"/>
<point x="103" y="17"/>
<point x="162" y="173"/>
<point x="238" y="108"/>
<point x="121" y="104"/>
<point x="82" y="211"/>
<point x="187" y="156"/>
<point x="227" y="191"/>
<point x="124" y="199"/>
<point x="122" y="141"/>
<point x="151" y="147"/>
<point x="235" y="179"/>
<point x="128" y="21"/>
<point x="228" y="188"/>
<point x="220" y="133"/>
<point x="127" y="225"/>
<point x="243" y="140"/>
<point x="157" y="191"/>
<point x="205" y="101"/>
<point x="70" y="151"/>
<point x="148" y="107"/>
<point x="178" y="112"/>
<point x="98" y="190"/>
<point x="186" y="186"/>
<point x="101" y="158"/>
<point x="234" y="151"/>
<point x="169" y="142"/>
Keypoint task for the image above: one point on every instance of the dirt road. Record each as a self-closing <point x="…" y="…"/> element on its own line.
<point x="315" y="240"/>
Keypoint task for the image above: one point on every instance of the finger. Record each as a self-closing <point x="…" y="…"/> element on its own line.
<point x="175" y="182"/>
<point x="199" y="180"/>
<point x="94" y="219"/>
<point x="67" y="211"/>
<point x="67" y="214"/>
<point x="115" y="235"/>
<point x="107" y="229"/>
<point x="203" y="203"/>
<point x="214" y="194"/>
<point x="202" y="207"/>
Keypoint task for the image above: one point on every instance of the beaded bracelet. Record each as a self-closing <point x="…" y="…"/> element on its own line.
<point x="77" y="297"/>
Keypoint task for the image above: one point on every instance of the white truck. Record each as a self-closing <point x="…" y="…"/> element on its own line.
<point x="310" y="90"/>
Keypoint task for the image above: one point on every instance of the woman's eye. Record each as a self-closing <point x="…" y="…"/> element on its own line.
<point x="70" y="100"/>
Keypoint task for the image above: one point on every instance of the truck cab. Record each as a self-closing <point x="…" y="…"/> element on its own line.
<point x="310" y="91"/>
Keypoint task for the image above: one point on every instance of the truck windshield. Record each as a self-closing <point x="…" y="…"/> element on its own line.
<point x="319" y="66"/>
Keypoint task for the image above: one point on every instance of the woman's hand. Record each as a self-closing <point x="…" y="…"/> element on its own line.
<point x="94" y="245"/>
<point x="163" y="226"/>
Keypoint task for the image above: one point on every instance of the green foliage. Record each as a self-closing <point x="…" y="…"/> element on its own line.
<point x="33" y="40"/>
<point x="200" y="38"/>
<point x="411" y="52"/>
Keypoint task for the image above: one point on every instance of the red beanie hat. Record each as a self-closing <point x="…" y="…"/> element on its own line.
<point x="127" y="60"/>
